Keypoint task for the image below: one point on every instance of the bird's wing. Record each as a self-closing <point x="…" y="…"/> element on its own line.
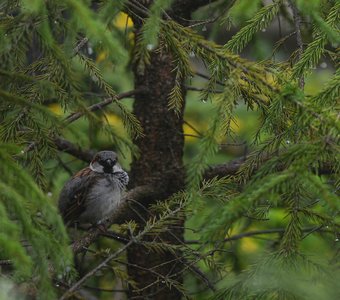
<point x="72" y="200"/>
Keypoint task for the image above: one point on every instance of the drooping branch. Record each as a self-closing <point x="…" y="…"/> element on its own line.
<point x="76" y="115"/>
<point x="231" y="168"/>
<point x="254" y="233"/>
<point x="221" y="170"/>
<point x="74" y="150"/>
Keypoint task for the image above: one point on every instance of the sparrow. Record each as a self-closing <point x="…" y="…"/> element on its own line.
<point x="93" y="193"/>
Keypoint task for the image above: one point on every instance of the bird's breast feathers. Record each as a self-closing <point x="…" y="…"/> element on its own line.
<point x="89" y="197"/>
<point x="102" y="199"/>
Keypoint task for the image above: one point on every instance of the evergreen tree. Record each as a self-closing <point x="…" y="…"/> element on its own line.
<point x="66" y="71"/>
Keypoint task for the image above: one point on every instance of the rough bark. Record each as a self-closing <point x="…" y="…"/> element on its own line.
<point x="161" y="152"/>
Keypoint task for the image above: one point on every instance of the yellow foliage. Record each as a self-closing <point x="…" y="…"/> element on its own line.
<point x="315" y="81"/>
<point x="236" y="125"/>
<point x="233" y="230"/>
<point x="101" y="56"/>
<point x="113" y="119"/>
<point x="56" y="109"/>
<point x="131" y="36"/>
<point x="120" y="21"/>
<point x="269" y="79"/>
<point x="248" y="245"/>
<point x="188" y="130"/>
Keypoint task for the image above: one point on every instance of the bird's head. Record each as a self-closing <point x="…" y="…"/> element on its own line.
<point x="105" y="162"/>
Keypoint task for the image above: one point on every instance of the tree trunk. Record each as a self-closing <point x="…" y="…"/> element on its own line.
<point x="161" y="152"/>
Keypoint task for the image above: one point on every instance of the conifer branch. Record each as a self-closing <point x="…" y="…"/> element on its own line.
<point x="260" y="21"/>
<point x="76" y="115"/>
<point x="237" y="65"/>
<point x="316" y="48"/>
<point x="240" y="236"/>
<point x="232" y="168"/>
<point x="264" y="231"/>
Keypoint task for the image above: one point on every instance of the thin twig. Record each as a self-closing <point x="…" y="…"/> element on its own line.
<point x="309" y="230"/>
<point x="233" y="144"/>
<point x="196" y="89"/>
<point x="104" y="290"/>
<point x="197" y="271"/>
<point x="74" y="150"/>
<point x="205" y="76"/>
<point x="297" y="24"/>
<point x="193" y="128"/>
<point x="258" y="232"/>
<point x="226" y="169"/>
<point x="80" y="45"/>
<point x="115" y="236"/>
<point x="213" y="20"/>
<point x="237" y="65"/>
<point x="191" y="135"/>
<point x="75" y="286"/>
<point x="76" y="115"/>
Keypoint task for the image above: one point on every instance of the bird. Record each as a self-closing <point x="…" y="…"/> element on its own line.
<point x="93" y="193"/>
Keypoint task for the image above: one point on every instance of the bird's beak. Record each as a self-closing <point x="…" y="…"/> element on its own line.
<point x="110" y="162"/>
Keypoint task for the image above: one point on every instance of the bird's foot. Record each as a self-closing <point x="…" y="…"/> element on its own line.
<point x="100" y="226"/>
